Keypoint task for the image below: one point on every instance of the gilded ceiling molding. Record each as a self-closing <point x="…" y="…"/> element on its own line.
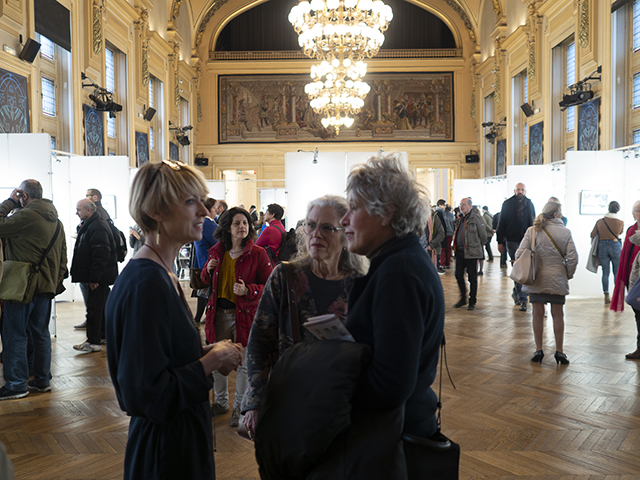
<point x="97" y="27"/>
<point x="175" y="10"/>
<point x="175" y="63"/>
<point x="465" y="18"/>
<point x="583" y="34"/>
<point x="143" y="27"/>
<point x="203" y="24"/>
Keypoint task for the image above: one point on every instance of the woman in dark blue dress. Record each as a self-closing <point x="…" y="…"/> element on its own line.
<point x="160" y="371"/>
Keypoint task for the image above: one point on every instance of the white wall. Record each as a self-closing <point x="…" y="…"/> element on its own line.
<point x="24" y="156"/>
<point x="482" y="192"/>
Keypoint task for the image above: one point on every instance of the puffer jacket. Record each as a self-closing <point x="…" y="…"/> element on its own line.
<point x="475" y="235"/>
<point x="552" y="276"/>
<point x="28" y="233"/>
<point x="94" y="254"/>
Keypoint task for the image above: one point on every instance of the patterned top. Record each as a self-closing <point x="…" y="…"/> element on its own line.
<point x="271" y="330"/>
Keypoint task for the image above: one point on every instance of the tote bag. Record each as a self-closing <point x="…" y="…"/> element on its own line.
<point x="524" y="269"/>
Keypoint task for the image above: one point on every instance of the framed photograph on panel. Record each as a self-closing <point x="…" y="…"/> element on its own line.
<point x="109" y="204"/>
<point x="594" y="202"/>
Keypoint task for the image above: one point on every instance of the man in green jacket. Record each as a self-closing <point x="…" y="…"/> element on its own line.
<point x="28" y="233"/>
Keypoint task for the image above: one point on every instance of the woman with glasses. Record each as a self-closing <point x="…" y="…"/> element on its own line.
<point x="237" y="270"/>
<point x="160" y="371"/>
<point x="323" y="271"/>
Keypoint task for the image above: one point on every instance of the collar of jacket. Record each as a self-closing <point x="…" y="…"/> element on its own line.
<point x="219" y="249"/>
<point x="87" y="222"/>
<point x="393" y="246"/>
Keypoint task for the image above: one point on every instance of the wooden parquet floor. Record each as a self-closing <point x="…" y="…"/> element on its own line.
<point x="514" y="420"/>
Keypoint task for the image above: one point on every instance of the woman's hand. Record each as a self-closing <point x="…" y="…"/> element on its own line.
<point x="211" y="265"/>
<point x="240" y="289"/>
<point x="250" y="421"/>
<point x="223" y="356"/>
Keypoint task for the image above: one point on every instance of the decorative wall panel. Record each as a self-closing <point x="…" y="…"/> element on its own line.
<point x="274" y="108"/>
<point x="142" y="148"/>
<point x="501" y="157"/>
<point x="174" y="152"/>
<point x="14" y="103"/>
<point x="535" y="144"/>
<point x="93" y="131"/>
<point x="588" y="125"/>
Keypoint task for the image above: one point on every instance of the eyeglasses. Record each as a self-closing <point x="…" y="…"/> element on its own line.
<point x="176" y="166"/>
<point x="325" y="230"/>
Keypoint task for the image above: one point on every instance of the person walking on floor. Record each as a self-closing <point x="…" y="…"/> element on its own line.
<point x="488" y="221"/>
<point x="609" y="228"/>
<point x="516" y="217"/>
<point x="468" y="241"/>
<point x="450" y="228"/>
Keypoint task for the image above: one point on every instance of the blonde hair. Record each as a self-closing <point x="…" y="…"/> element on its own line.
<point x="159" y="186"/>
<point x="548" y="213"/>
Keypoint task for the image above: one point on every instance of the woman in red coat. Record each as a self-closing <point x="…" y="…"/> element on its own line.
<point x="237" y="271"/>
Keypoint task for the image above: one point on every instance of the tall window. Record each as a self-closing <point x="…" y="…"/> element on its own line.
<point x="636" y="26"/>
<point x="156" y="134"/>
<point x="151" y="93"/>
<point x="48" y="97"/>
<point x="110" y="85"/>
<point x="563" y="75"/>
<point x="47" y="48"/>
<point x="151" y="146"/>
<point x="636" y="136"/>
<point x="520" y="94"/>
<point x="571" y="79"/>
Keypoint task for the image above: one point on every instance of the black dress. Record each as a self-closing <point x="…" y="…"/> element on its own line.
<point x="153" y="351"/>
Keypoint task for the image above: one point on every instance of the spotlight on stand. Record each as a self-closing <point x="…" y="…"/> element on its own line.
<point x="102" y="98"/>
<point x="580" y="92"/>
<point x="180" y="134"/>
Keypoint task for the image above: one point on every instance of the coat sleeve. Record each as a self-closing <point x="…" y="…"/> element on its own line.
<point x="482" y="231"/>
<point x="63" y="271"/>
<point x="263" y="271"/>
<point x="595" y="230"/>
<point x="438" y="233"/>
<point x="500" y="231"/>
<point x="571" y="258"/>
<point x="15" y="225"/>
<point x="204" y="275"/>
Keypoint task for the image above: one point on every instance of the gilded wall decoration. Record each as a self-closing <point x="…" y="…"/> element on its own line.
<point x="584" y="24"/>
<point x="533" y="29"/>
<point x="501" y="157"/>
<point x="143" y="26"/>
<point x="97" y="29"/>
<point x="175" y="11"/>
<point x="14" y="103"/>
<point x="465" y="19"/>
<point x="93" y="131"/>
<point x="496" y="7"/>
<point x="203" y="24"/>
<point x="274" y="108"/>
<point x="535" y="144"/>
<point x="175" y="58"/>
<point x="589" y="125"/>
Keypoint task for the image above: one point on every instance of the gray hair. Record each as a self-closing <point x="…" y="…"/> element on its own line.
<point x="384" y="187"/>
<point x="548" y="212"/>
<point x="349" y="263"/>
<point x="32" y="188"/>
<point x="88" y="205"/>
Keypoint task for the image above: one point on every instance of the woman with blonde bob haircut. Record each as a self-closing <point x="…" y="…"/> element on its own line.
<point x="556" y="262"/>
<point x="160" y="371"/>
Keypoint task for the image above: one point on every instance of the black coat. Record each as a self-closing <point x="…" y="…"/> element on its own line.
<point x="94" y="255"/>
<point x="509" y="228"/>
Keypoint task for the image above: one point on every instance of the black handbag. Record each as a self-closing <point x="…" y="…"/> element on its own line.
<point x="436" y="457"/>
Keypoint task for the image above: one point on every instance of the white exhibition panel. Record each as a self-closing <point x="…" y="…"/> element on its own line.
<point x="306" y="181"/>
<point x="24" y="156"/>
<point x="482" y="192"/>
<point x="272" y="195"/>
<point x="217" y="189"/>
<point x="541" y="182"/>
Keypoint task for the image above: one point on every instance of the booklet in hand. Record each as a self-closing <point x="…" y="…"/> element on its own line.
<point x="328" y="327"/>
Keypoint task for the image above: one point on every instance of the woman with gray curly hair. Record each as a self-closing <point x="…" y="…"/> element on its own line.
<point x="398" y="307"/>
<point x="323" y="271"/>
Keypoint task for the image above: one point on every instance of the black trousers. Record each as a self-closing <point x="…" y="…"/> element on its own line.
<point x="487" y="246"/>
<point x="471" y="266"/>
<point x="96" y="300"/>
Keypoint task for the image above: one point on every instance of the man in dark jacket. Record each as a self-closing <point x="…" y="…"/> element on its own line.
<point x="28" y="233"/>
<point x="95" y="196"/>
<point x="516" y="216"/>
<point x="95" y="264"/>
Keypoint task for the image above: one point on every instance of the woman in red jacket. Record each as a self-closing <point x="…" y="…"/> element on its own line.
<point x="237" y="270"/>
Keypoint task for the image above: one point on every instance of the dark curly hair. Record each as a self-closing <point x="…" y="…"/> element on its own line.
<point x="223" y="232"/>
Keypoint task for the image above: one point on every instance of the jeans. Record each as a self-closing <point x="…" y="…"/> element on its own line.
<point x="471" y="265"/>
<point x="225" y="324"/>
<point x="512" y="247"/>
<point x="608" y="251"/>
<point x="20" y="320"/>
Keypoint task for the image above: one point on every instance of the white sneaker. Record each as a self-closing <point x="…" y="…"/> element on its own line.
<point x="87" y="347"/>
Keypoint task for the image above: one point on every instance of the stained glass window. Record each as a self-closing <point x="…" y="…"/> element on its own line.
<point x="110" y="85"/>
<point x="48" y="97"/>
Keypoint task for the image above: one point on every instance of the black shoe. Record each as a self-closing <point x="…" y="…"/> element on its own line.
<point x="523" y="306"/>
<point x="503" y="265"/>
<point x="516" y="300"/>
<point x="561" y="358"/>
<point x="537" y="357"/>
<point x="461" y="302"/>
<point x="480" y="274"/>
<point x="472" y="306"/>
<point x="6" y="394"/>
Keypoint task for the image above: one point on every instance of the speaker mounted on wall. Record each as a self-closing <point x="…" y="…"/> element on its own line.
<point x="473" y="158"/>
<point x="527" y="109"/>
<point x="30" y="50"/>
<point x="149" y="113"/>
<point x="201" y="161"/>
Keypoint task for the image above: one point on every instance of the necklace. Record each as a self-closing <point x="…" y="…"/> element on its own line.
<point x="170" y="272"/>
<point x="316" y="274"/>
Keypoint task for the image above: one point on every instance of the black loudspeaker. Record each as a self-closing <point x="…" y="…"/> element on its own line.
<point x="202" y="161"/>
<point x="472" y="158"/>
<point x="30" y="50"/>
<point x="526" y="108"/>
<point x="148" y="115"/>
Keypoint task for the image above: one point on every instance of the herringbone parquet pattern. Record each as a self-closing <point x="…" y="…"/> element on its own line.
<point x="514" y="420"/>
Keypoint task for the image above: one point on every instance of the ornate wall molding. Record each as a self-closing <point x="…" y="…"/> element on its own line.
<point x="142" y="25"/>
<point x="472" y="110"/>
<point x="583" y="34"/>
<point x="175" y="59"/>
<point x="196" y="85"/>
<point x="497" y="95"/>
<point x="465" y="18"/>
<point x="175" y="10"/>
<point x="496" y="8"/>
<point x="203" y="24"/>
<point x="532" y="36"/>
<point x="97" y="27"/>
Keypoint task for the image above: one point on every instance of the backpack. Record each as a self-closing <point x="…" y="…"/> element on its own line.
<point x="120" y="241"/>
<point x="287" y="249"/>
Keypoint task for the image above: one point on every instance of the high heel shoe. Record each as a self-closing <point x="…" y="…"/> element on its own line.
<point x="538" y="356"/>
<point x="561" y="358"/>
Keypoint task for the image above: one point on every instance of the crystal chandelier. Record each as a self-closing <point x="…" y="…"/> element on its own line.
<point x="340" y="34"/>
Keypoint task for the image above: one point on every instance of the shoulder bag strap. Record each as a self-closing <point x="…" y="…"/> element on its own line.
<point x="533" y="239"/>
<point x="277" y="252"/>
<point x="53" y="240"/>
<point x="607" y="225"/>
<point x="554" y="242"/>
<point x="292" y="298"/>
<point x="443" y="362"/>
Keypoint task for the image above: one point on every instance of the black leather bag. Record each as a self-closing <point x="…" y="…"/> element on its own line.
<point x="195" y="281"/>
